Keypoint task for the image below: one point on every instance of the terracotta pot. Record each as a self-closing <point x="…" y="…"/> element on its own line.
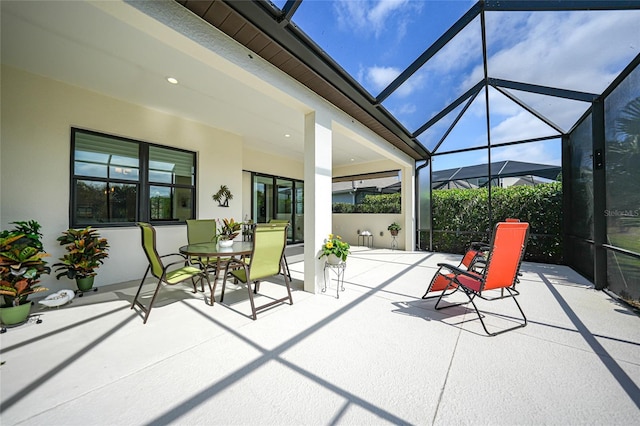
<point x="394" y="232"/>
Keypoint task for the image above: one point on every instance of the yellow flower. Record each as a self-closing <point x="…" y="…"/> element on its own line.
<point x="330" y="236"/>
<point x="338" y="237"/>
<point x="329" y="245"/>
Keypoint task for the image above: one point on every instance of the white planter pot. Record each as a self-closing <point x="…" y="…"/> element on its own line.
<point x="332" y="259"/>
<point x="225" y="243"/>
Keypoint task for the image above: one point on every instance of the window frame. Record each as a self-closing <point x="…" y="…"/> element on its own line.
<point x="143" y="184"/>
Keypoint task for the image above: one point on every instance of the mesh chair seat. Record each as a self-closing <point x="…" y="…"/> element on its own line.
<point x="166" y="274"/>
<point x="501" y="271"/>
<point x="266" y="260"/>
<point x="204" y="231"/>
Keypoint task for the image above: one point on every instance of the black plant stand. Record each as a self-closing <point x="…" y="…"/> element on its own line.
<point x="79" y="292"/>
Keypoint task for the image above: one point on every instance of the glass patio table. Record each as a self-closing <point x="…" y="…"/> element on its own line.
<point x="207" y="252"/>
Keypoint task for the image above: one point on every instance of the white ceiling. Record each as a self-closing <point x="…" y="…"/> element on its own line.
<point x="82" y="44"/>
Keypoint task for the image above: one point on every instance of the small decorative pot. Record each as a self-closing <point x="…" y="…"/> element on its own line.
<point x="394" y="232"/>
<point x="225" y="243"/>
<point x="15" y="314"/>
<point x="85" y="283"/>
<point x="332" y="259"/>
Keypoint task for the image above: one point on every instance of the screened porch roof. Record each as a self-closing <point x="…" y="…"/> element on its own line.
<point x="444" y="76"/>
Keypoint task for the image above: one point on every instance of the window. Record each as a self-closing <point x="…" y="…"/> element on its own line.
<point x="117" y="181"/>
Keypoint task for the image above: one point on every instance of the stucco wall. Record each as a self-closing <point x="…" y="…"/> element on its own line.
<point x="37" y="115"/>
<point x="347" y="224"/>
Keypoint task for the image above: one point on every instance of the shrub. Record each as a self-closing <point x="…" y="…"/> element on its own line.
<point x="379" y="203"/>
<point x="461" y="216"/>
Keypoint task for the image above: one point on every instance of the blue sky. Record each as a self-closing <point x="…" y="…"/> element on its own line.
<point x="374" y="40"/>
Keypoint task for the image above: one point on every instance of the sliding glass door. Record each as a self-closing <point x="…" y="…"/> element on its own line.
<point x="280" y="199"/>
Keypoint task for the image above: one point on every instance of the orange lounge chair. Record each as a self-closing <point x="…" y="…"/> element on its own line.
<point x="500" y="273"/>
<point x="473" y="260"/>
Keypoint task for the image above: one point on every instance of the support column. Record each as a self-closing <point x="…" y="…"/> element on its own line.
<point x="408" y="188"/>
<point x="317" y="194"/>
<point x="599" y="196"/>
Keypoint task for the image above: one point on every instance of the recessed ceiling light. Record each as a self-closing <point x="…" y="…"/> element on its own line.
<point x="287" y="135"/>
<point x="353" y="159"/>
<point x="172" y="80"/>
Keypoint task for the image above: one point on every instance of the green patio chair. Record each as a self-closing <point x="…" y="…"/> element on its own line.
<point x="284" y="257"/>
<point x="201" y="230"/>
<point x="167" y="274"/>
<point x="204" y="231"/>
<point x="266" y="260"/>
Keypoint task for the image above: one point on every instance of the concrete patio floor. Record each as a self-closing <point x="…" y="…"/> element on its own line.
<point x="377" y="355"/>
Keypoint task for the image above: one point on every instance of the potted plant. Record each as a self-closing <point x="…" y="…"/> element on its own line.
<point x="21" y="265"/>
<point x="394" y="228"/>
<point x="335" y="249"/>
<point x="223" y="196"/>
<point x="229" y="229"/>
<point x="86" y="251"/>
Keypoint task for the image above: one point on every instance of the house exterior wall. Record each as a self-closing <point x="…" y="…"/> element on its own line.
<point x="347" y="224"/>
<point x="37" y="116"/>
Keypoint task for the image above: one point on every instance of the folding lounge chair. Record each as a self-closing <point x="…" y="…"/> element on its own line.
<point x="473" y="260"/>
<point x="503" y="263"/>
<point x="167" y="274"/>
<point x="266" y="260"/>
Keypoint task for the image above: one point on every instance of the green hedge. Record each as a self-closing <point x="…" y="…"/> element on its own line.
<point x="382" y="203"/>
<point x="461" y="216"/>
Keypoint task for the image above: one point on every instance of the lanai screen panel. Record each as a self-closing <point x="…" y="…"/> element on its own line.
<point x="580" y="227"/>
<point x="622" y="137"/>
<point x="575" y="50"/>
<point x="375" y="41"/>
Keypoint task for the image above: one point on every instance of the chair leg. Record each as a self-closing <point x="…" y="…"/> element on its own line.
<point x="273" y="302"/>
<point x="285" y="267"/>
<point x="444" y="293"/>
<point x="287" y="282"/>
<point x="254" y="313"/>
<point x="140" y="287"/>
<point x="224" y="284"/>
<point x="147" y="310"/>
<point x="212" y="289"/>
<point x="474" y="294"/>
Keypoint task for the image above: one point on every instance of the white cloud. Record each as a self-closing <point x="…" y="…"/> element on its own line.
<point x="463" y="50"/>
<point x="569" y="50"/>
<point x="520" y="126"/>
<point x="581" y="51"/>
<point x="380" y="77"/>
<point x="406" y="109"/>
<point x="369" y="17"/>
<point x="541" y="153"/>
<point x="379" y="13"/>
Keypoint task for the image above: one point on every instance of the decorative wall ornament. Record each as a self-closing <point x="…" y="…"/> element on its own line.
<point x="223" y="196"/>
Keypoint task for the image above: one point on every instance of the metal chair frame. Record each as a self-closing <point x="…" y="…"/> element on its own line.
<point x="163" y="273"/>
<point x="247" y="274"/>
<point x="501" y="272"/>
